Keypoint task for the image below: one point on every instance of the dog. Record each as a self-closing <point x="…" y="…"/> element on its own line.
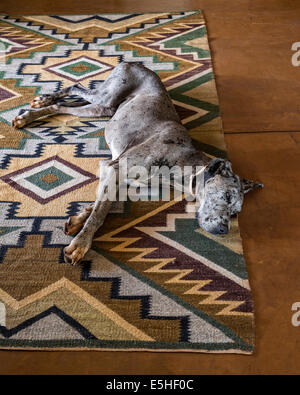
<point x="146" y="130"/>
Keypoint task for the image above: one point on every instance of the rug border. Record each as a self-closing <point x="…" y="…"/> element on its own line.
<point x="199" y="10"/>
<point x="230" y="351"/>
<point x="109" y="345"/>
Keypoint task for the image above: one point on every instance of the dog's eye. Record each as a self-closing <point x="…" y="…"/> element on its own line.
<point x="228" y="197"/>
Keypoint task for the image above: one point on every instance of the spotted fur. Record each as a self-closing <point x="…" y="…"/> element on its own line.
<point x="146" y="130"/>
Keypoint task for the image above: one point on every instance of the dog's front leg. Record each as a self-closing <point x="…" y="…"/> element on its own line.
<point x="76" y="222"/>
<point x="81" y="243"/>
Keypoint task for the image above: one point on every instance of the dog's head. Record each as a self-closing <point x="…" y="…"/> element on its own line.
<point x="221" y="197"/>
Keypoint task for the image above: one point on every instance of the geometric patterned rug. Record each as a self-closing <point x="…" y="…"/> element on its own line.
<point x="153" y="279"/>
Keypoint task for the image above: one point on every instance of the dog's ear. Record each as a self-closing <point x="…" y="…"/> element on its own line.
<point x="248" y="185"/>
<point x="218" y="166"/>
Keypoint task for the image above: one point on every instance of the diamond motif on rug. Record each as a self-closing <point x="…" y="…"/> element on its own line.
<point x="80" y="68"/>
<point x="49" y="179"/>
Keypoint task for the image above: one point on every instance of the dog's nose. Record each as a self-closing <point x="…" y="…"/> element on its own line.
<point x="222" y="229"/>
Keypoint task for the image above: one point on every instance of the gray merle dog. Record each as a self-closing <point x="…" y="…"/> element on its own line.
<point x="146" y="130"/>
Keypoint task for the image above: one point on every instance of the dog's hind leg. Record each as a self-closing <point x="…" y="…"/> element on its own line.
<point x="91" y="110"/>
<point x="122" y="81"/>
<point x="125" y="79"/>
<point x="52" y="98"/>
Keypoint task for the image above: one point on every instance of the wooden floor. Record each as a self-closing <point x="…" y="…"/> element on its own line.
<point x="259" y="92"/>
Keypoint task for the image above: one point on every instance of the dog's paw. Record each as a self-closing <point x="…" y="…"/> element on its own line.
<point x="75" y="252"/>
<point x="21" y="120"/>
<point x="43" y="101"/>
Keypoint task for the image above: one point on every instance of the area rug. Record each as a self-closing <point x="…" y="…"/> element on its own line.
<point x="153" y="280"/>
